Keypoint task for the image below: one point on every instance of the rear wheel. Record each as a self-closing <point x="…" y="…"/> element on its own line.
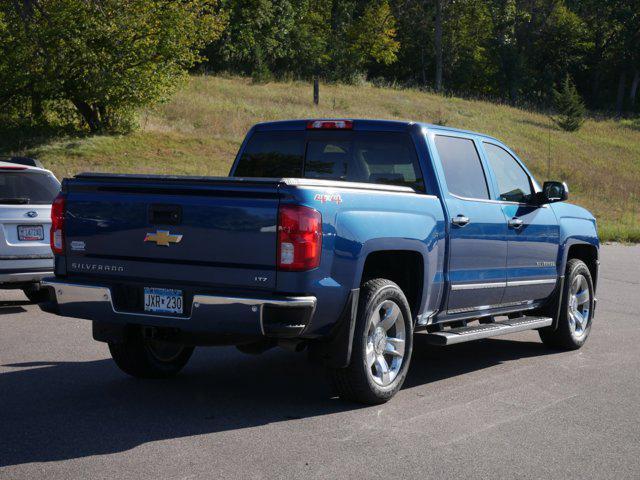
<point x="148" y="358"/>
<point x="382" y="345"/>
<point x="576" y="311"/>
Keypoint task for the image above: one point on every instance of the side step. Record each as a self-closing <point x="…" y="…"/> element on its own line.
<point x="486" y="330"/>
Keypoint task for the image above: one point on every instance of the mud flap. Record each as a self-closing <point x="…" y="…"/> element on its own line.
<point x="109" y="332"/>
<point x="335" y="350"/>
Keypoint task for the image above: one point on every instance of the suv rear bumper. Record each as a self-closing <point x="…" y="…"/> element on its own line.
<point x="274" y="316"/>
<point x="22" y="276"/>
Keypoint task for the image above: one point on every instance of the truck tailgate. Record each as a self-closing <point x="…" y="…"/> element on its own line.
<point x="189" y="230"/>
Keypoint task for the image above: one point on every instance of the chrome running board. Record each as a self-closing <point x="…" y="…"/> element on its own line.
<point x="486" y="330"/>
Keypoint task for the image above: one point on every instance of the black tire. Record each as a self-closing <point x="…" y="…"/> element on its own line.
<point x="36" y="294"/>
<point x="140" y="357"/>
<point x="566" y="337"/>
<point x="356" y="382"/>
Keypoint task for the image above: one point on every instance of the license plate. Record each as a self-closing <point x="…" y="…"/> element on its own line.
<point x="30" y="233"/>
<point x="163" y="300"/>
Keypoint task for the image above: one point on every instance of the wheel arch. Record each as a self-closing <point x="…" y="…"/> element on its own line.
<point x="404" y="267"/>
<point x="586" y="252"/>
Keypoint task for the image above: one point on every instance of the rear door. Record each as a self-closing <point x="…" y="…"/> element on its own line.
<point x="478" y="231"/>
<point x="533" y="230"/>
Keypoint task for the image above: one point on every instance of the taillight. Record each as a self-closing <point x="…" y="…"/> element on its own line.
<point x="299" y="238"/>
<point x="330" y="125"/>
<point x="57" y="224"/>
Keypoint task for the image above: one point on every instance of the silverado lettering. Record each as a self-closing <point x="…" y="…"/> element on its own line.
<point x="97" y="267"/>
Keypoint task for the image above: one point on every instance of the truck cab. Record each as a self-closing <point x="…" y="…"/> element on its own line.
<point x="346" y="237"/>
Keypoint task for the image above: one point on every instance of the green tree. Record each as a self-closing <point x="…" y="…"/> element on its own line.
<point x="258" y="35"/>
<point x="570" y="107"/>
<point x="336" y="39"/>
<point x="363" y="33"/>
<point x="105" y="57"/>
<point x="373" y="36"/>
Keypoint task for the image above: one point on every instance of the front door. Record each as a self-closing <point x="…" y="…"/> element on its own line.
<point x="478" y="232"/>
<point x="533" y="231"/>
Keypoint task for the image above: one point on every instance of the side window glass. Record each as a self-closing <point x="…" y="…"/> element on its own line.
<point x="388" y="158"/>
<point x="462" y="167"/>
<point x="513" y="182"/>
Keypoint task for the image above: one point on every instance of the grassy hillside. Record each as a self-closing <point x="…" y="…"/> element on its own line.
<point x="199" y="132"/>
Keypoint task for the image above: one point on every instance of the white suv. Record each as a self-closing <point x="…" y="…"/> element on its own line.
<point x="26" y="193"/>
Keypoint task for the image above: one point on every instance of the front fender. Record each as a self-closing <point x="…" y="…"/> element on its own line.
<point x="577" y="227"/>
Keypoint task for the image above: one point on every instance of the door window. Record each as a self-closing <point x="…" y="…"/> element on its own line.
<point x="514" y="184"/>
<point x="462" y="168"/>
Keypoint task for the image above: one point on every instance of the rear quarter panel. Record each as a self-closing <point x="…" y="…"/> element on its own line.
<point x="356" y="223"/>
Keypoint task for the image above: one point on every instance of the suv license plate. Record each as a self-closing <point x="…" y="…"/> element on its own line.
<point x="30" y="233"/>
<point x="163" y="300"/>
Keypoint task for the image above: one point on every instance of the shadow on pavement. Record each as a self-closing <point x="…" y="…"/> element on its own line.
<point x="62" y="410"/>
<point x="12" y="306"/>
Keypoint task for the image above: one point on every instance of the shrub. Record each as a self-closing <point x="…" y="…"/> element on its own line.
<point x="569" y="105"/>
<point x="105" y="58"/>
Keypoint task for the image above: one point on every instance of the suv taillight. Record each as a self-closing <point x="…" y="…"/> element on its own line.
<point x="57" y="224"/>
<point x="299" y="238"/>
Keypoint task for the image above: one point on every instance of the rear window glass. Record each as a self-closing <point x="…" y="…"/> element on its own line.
<point x="27" y="187"/>
<point x="272" y="155"/>
<point x="370" y="157"/>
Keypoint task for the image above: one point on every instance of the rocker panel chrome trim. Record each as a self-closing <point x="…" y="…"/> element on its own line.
<point x="509" y="283"/>
<point x="488" y="307"/>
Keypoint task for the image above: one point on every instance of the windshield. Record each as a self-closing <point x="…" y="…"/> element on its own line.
<point x="370" y="157"/>
<point x="27" y="187"/>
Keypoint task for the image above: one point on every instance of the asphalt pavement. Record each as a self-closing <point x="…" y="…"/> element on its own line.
<point x="498" y="408"/>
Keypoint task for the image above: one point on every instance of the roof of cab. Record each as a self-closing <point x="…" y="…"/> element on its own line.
<point x="363" y="124"/>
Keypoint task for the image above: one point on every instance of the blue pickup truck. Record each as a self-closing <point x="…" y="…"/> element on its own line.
<point x="344" y="237"/>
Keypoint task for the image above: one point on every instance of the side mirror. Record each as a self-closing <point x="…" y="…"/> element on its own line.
<point x="553" y="192"/>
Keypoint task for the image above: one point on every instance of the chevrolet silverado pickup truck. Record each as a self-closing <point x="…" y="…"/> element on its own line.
<point x="347" y="237"/>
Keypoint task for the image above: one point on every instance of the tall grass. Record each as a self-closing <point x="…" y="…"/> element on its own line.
<point x="200" y="129"/>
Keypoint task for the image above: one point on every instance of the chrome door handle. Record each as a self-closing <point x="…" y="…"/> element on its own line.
<point x="516" y="223"/>
<point x="460" y="220"/>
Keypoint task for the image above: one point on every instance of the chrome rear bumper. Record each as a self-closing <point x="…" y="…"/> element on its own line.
<point x="285" y="316"/>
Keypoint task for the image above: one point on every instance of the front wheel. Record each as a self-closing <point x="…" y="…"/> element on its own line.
<point x="382" y="345"/>
<point x="147" y="358"/>
<point x="576" y="311"/>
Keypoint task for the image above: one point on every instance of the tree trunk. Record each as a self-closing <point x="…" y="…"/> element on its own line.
<point x="596" y="68"/>
<point x="423" y="70"/>
<point x="634" y="89"/>
<point x="88" y="114"/>
<point x="438" y="46"/>
<point x="37" y="110"/>
<point x="620" y="96"/>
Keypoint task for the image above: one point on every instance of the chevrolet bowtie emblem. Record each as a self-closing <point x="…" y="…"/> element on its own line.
<point x="162" y="238"/>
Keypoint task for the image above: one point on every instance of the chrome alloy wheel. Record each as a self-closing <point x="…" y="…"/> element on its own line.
<point x="579" y="306"/>
<point x="163" y="351"/>
<point x="385" y="343"/>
